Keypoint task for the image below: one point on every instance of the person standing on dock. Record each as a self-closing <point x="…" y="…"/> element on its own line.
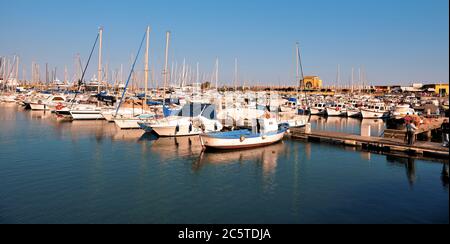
<point x="407" y="120"/>
<point x="445" y="127"/>
<point x="410" y="132"/>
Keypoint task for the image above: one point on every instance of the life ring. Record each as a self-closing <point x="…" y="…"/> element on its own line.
<point x="59" y="106"/>
<point x="242" y="138"/>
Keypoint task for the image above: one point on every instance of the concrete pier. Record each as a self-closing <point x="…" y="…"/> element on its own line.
<point x="427" y="149"/>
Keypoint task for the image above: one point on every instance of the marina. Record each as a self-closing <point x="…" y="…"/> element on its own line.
<point x="93" y="172"/>
<point x="218" y="112"/>
<point x="187" y="136"/>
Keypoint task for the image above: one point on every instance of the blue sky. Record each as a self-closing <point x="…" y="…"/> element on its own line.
<point x="396" y="41"/>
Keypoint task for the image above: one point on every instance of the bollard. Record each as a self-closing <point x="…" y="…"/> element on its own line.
<point x="308" y="128"/>
<point x="365" y="131"/>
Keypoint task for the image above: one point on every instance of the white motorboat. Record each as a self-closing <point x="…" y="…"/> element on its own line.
<point x="295" y="121"/>
<point x="8" y="99"/>
<point x="353" y="112"/>
<point x="48" y="104"/>
<point x="401" y="110"/>
<point x="375" y="111"/>
<point x="318" y="109"/>
<point x="337" y="110"/>
<point x="184" y="126"/>
<point x="86" y="112"/>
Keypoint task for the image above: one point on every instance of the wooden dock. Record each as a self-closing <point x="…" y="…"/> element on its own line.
<point x="379" y="144"/>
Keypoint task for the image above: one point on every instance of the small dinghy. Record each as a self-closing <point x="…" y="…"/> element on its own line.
<point x="266" y="132"/>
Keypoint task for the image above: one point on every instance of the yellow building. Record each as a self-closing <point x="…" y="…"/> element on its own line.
<point x="439" y="89"/>
<point x="312" y="83"/>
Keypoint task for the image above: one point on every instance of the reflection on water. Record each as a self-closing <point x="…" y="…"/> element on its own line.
<point x="348" y="125"/>
<point x="408" y="163"/>
<point x="174" y="147"/>
<point x="377" y="126"/>
<point x="365" y="155"/>
<point x="267" y="157"/>
<point x="445" y="175"/>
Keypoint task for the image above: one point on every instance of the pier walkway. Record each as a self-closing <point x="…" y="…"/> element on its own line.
<point x="426" y="149"/>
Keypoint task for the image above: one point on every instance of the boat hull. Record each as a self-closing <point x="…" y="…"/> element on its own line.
<point x="108" y="116"/>
<point x="127" y="123"/>
<point x="172" y="131"/>
<point x="374" y="115"/>
<point x="86" y="115"/>
<point x="334" y="112"/>
<point x="354" y="114"/>
<point x="315" y="111"/>
<point x="36" y="106"/>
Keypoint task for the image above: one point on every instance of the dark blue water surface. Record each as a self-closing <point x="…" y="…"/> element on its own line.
<point x="90" y="172"/>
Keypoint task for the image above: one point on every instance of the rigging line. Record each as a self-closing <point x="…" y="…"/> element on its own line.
<point x="302" y="74"/>
<point x="84" y="71"/>
<point x="301" y="67"/>
<point x="9" y="73"/>
<point x="129" y="76"/>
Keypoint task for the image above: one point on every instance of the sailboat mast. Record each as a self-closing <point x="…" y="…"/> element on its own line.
<point x="297" y="58"/>
<point x="23" y="75"/>
<point x="302" y="76"/>
<point x="65" y="74"/>
<point x="146" y="65"/>
<point x="99" y="77"/>
<point x="183" y="74"/>
<point x="360" y="80"/>
<point x="353" y="70"/>
<point x="198" y="73"/>
<point x="235" y="74"/>
<point x="217" y="73"/>
<point x="17" y="70"/>
<point x="338" y="78"/>
<point x="46" y="73"/>
<point x="32" y="73"/>
<point x="166" y="64"/>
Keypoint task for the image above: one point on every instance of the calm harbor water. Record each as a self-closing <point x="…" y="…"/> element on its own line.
<point x="90" y="172"/>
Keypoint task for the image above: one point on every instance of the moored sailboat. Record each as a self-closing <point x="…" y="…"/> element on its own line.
<point x="266" y="132"/>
